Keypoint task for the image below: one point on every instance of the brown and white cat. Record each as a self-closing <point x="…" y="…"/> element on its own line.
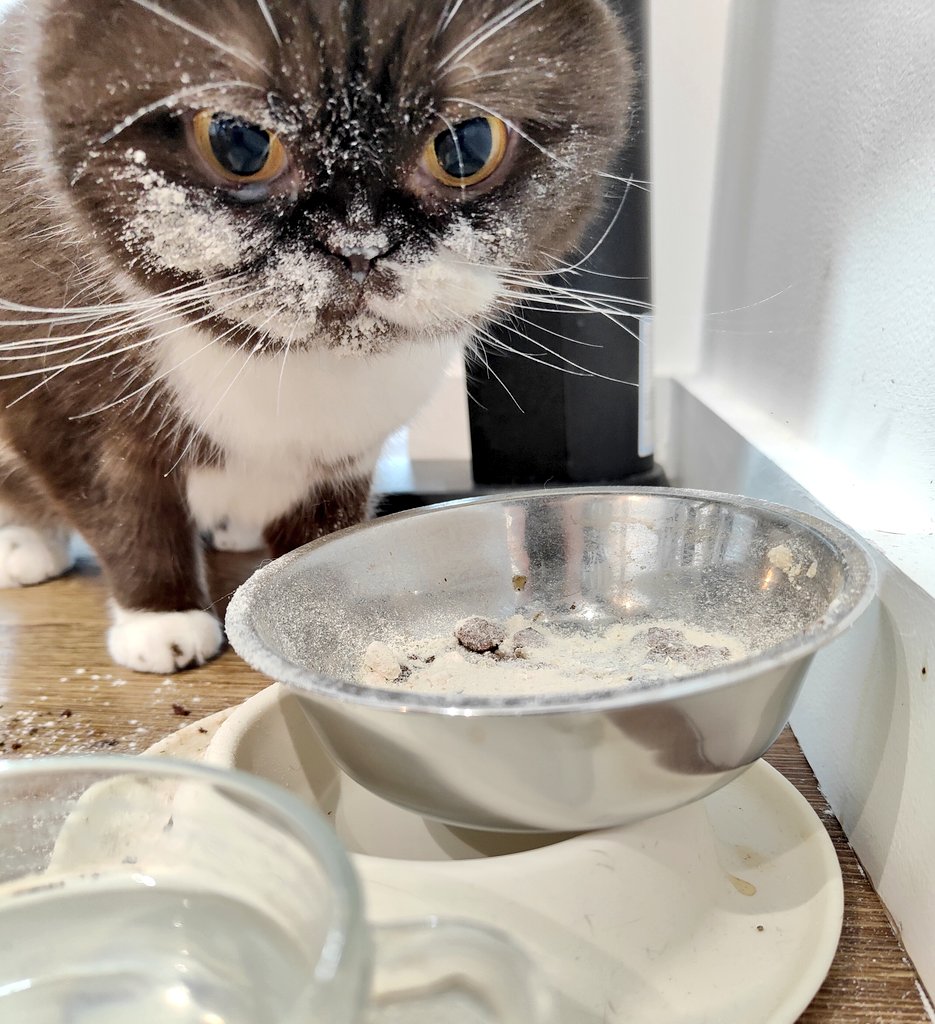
<point x="239" y="242"/>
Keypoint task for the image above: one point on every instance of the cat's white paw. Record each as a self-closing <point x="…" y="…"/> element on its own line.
<point x="163" y="642"/>
<point x="29" y="555"/>
<point x="228" y="535"/>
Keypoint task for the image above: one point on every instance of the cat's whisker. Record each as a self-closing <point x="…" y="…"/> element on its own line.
<point x="576" y="369"/>
<point x="51" y="373"/>
<point x="282" y="371"/>
<point x="538" y="287"/>
<point x="49" y="234"/>
<point x="147" y="412"/>
<point x="514" y="312"/>
<point x="132" y="321"/>
<point x="601" y="273"/>
<point x="166" y="101"/>
<point x="607" y="231"/>
<point x="514" y="127"/>
<point x="489" y="28"/>
<point x="213" y="341"/>
<point x="610" y="316"/>
<point x="454" y="135"/>
<point x="546" y="303"/>
<point x="59" y="346"/>
<point x="565" y="299"/>
<point x="572" y="369"/>
<point x="478" y="352"/>
<point x="500" y="345"/>
<point x="750" y="305"/>
<point x="258" y="347"/>
<point x="152" y="382"/>
<point x="268" y="18"/>
<point x="447" y="16"/>
<point x="75" y="314"/>
<point x="511" y="304"/>
<point x="550" y="287"/>
<point x="530" y="277"/>
<point x="555" y="307"/>
<point x="37" y="347"/>
<point x="577" y="303"/>
<point x="187" y="26"/>
<point x="91" y="357"/>
<point x="546" y="297"/>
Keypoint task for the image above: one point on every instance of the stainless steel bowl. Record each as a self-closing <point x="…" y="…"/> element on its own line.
<point x="782" y="582"/>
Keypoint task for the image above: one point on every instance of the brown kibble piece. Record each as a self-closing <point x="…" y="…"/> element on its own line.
<point x="182" y="712"/>
<point x="480" y="635"/>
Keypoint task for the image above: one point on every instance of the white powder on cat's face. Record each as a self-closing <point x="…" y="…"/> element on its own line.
<point x="550" y="660"/>
<point x="177" y="233"/>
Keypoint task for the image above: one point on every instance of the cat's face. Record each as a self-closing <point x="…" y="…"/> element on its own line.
<point x="340" y="173"/>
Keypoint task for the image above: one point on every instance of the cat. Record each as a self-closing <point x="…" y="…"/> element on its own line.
<point x="242" y="239"/>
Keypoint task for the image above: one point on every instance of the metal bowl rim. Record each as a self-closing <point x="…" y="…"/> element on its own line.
<point x="860" y="589"/>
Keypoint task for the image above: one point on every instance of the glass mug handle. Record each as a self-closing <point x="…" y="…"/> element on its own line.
<point x="447" y="971"/>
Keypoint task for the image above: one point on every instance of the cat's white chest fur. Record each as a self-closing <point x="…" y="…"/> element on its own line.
<point x="284" y="423"/>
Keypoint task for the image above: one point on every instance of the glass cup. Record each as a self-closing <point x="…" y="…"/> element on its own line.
<point x="162" y="892"/>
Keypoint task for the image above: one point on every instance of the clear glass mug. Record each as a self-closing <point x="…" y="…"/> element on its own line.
<point x="162" y="892"/>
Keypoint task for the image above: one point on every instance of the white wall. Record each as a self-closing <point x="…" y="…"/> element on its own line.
<point x="687" y="41"/>
<point x="826" y="195"/>
<point x="813" y="381"/>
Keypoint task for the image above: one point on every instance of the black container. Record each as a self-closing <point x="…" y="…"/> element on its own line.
<point x="579" y="428"/>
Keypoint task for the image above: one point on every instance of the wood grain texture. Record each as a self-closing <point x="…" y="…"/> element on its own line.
<point x="59" y="693"/>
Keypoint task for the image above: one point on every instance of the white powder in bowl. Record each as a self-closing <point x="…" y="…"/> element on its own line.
<point x="537" y="659"/>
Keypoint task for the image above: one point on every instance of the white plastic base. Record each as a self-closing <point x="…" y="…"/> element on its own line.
<point x="729" y="910"/>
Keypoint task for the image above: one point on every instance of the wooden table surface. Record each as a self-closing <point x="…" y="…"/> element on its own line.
<point x="59" y="693"/>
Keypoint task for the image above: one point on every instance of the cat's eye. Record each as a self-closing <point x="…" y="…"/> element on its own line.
<point x="467" y="153"/>
<point x="241" y="152"/>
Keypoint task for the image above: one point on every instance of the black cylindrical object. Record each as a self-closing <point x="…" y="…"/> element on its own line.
<point x="573" y="427"/>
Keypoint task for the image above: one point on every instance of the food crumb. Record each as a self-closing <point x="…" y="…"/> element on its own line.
<point x="381" y="663"/>
<point x="528" y="638"/>
<point x="180" y="710"/>
<point x="782" y="558"/>
<point x="516" y="657"/>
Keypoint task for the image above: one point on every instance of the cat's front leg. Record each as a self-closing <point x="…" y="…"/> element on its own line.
<point x="151" y="554"/>
<point x="163" y="642"/>
<point x="326" y="508"/>
<point x="35" y="545"/>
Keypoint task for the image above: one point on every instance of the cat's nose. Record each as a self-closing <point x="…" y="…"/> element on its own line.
<point x="358" y="260"/>
<point x="359" y="263"/>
